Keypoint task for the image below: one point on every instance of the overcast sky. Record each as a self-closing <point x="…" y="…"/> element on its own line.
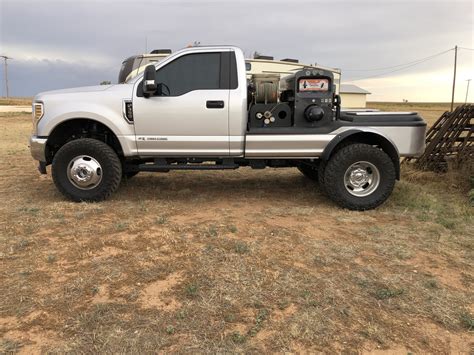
<point x="59" y="44"/>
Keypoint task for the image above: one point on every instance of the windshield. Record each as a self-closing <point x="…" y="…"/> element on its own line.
<point x="144" y="61"/>
<point x="134" y="66"/>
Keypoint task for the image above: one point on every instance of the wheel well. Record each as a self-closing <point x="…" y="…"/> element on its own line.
<point x="372" y="139"/>
<point x="80" y="128"/>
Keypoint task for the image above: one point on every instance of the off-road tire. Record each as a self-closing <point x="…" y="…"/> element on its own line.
<point x="110" y="165"/>
<point x="311" y="172"/>
<point x="337" y="166"/>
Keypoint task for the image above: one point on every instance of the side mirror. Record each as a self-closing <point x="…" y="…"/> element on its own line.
<point x="149" y="83"/>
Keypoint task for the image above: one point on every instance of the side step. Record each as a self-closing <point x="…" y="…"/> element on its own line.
<point x="160" y="165"/>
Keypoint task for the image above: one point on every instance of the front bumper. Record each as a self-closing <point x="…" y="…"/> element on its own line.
<point x="38" y="148"/>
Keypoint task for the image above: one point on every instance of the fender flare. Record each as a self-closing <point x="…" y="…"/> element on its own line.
<point x="388" y="147"/>
<point x="335" y="141"/>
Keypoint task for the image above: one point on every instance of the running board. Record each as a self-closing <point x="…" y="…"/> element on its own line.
<point x="160" y="167"/>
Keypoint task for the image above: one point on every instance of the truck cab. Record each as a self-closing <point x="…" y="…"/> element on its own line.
<point x="196" y="109"/>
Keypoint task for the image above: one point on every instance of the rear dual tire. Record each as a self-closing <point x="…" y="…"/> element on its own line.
<point x="358" y="177"/>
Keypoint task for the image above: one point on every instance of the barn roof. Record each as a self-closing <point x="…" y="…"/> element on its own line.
<point x="352" y="89"/>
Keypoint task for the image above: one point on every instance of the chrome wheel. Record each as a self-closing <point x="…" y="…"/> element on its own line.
<point x="84" y="172"/>
<point x="361" y="179"/>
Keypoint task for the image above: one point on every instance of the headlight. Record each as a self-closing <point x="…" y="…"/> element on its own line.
<point x="38" y="111"/>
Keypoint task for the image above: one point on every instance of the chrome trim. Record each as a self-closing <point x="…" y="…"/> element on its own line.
<point x="38" y="148"/>
<point x="378" y="113"/>
<point x="84" y="172"/>
<point x="287" y="145"/>
<point x="362" y="179"/>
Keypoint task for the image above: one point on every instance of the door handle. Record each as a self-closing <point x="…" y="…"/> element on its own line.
<point x="215" y="104"/>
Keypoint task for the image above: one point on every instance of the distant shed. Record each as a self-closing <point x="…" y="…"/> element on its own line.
<point x="353" y="96"/>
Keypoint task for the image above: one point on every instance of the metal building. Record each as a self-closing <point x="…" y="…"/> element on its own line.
<point x="353" y="96"/>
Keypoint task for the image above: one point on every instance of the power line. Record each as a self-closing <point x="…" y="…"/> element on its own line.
<point x="467" y="90"/>
<point x="454" y="76"/>
<point x="5" y="58"/>
<point x="405" y="66"/>
<point x="402" y="65"/>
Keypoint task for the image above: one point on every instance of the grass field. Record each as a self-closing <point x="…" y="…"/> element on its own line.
<point x="428" y="110"/>
<point x="21" y="101"/>
<point x="241" y="261"/>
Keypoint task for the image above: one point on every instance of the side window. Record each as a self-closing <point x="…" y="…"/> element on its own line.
<point x="200" y="71"/>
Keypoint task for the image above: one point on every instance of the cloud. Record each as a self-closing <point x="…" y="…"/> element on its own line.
<point x="429" y="86"/>
<point x="25" y="52"/>
<point x="33" y="76"/>
<point x="91" y="38"/>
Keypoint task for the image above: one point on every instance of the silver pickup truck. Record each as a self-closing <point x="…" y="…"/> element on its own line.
<point x="196" y="109"/>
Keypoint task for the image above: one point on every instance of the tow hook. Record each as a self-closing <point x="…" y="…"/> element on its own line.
<point x="42" y="167"/>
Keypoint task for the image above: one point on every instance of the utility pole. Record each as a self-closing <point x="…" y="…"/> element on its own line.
<point x="467" y="89"/>
<point x="5" y="65"/>
<point x="454" y="76"/>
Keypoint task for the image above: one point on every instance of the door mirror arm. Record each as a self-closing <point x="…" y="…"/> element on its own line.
<point x="163" y="90"/>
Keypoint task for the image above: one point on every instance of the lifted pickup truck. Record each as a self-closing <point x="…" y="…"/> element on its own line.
<point x="196" y="109"/>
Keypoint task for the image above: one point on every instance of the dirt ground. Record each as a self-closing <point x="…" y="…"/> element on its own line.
<point x="240" y="261"/>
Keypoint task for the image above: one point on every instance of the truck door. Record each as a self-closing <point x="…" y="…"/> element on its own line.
<point x="188" y="115"/>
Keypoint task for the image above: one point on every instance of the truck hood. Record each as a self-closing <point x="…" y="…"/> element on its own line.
<point x="87" y="94"/>
<point x="77" y="90"/>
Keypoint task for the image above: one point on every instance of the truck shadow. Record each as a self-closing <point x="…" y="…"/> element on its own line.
<point x="244" y="184"/>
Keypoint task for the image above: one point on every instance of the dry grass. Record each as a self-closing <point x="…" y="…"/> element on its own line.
<point x="21" y="101"/>
<point x="428" y="110"/>
<point x="242" y="261"/>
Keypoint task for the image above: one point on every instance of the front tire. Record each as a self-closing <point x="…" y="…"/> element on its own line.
<point x="86" y="170"/>
<point x="359" y="177"/>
